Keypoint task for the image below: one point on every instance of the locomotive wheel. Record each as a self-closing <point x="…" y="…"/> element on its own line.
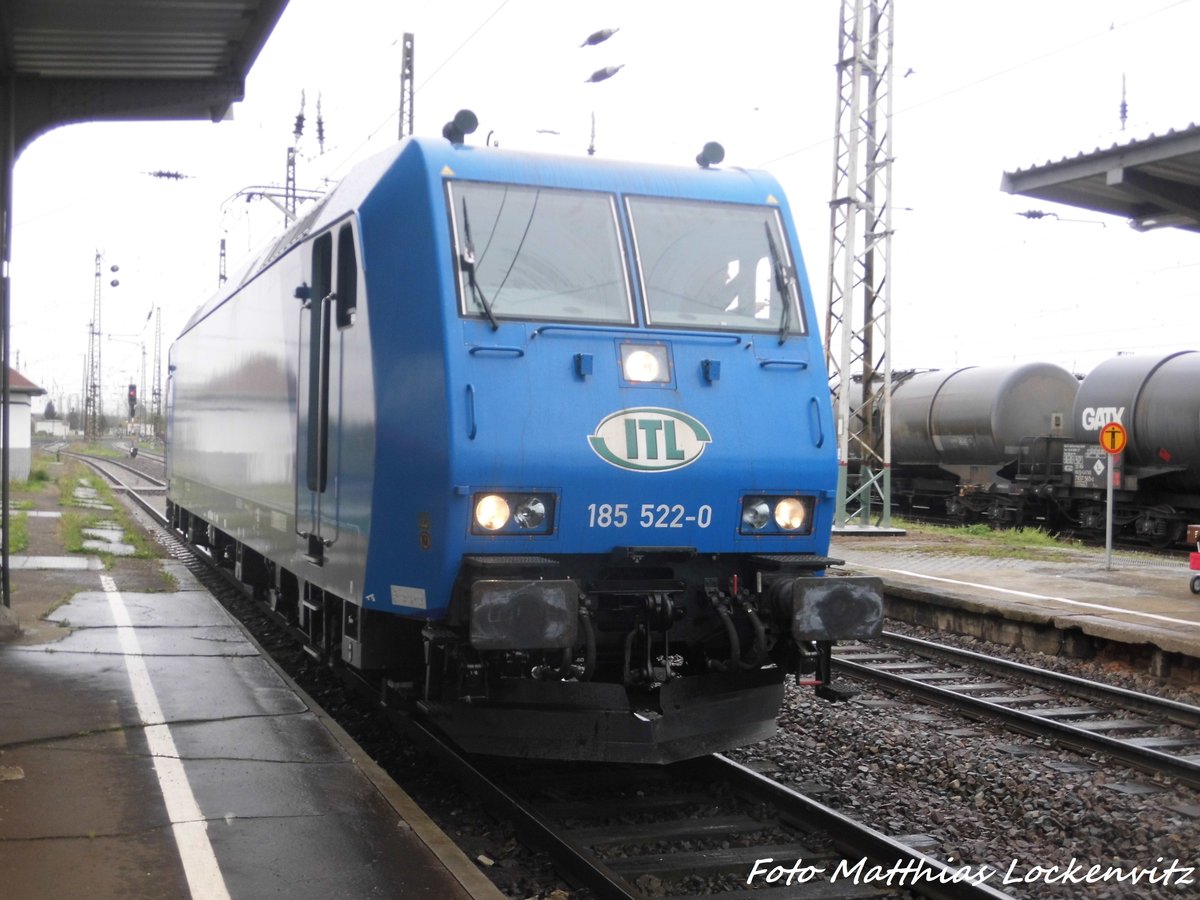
<point x="1196" y="584"/>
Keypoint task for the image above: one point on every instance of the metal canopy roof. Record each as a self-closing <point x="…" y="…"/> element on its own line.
<point x="1155" y="182"/>
<point x="67" y="61"/>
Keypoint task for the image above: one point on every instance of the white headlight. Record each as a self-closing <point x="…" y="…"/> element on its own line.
<point x="791" y="514"/>
<point x="491" y="512"/>
<point x="645" y="363"/>
<point x="642" y="366"/>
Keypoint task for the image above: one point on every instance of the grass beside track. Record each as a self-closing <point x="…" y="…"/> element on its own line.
<point x="73" y="524"/>
<point x="983" y="540"/>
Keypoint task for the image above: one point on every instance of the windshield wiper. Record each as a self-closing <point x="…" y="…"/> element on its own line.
<point x="784" y="276"/>
<point x="467" y="260"/>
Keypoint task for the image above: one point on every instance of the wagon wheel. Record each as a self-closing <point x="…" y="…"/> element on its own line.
<point x="1196" y="584"/>
<point x="1165" y="519"/>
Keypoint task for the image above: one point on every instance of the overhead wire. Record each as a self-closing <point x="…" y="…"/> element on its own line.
<point x="1110" y="29"/>
<point x="391" y="116"/>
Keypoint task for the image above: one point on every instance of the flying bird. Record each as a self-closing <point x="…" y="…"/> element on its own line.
<point x="605" y="73"/>
<point x="599" y="37"/>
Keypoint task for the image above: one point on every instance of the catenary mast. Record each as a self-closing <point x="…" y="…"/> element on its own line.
<point x="857" y="325"/>
<point x="156" y="391"/>
<point x="406" y="87"/>
<point x="92" y="403"/>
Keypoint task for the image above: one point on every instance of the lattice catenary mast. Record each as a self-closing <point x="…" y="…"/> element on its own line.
<point x="92" y="409"/>
<point x="156" y="390"/>
<point x="406" y="86"/>
<point x="857" y="325"/>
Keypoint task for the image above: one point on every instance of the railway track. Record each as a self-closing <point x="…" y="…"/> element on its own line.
<point x="152" y="457"/>
<point x="641" y="831"/>
<point x="145" y="491"/>
<point x="669" y="832"/>
<point x="1149" y="733"/>
<point x="684" y="830"/>
<point x="144" y="476"/>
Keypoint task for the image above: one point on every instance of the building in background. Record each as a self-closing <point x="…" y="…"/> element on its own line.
<point x="20" y="423"/>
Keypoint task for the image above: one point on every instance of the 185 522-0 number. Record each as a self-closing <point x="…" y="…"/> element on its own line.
<point x="649" y="515"/>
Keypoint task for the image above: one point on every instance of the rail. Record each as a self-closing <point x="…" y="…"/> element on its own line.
<point x="1143" y="745"/>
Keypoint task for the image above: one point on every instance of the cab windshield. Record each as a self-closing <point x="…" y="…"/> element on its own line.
<point x="538" y="253"/>
<point x="719" y="266"/>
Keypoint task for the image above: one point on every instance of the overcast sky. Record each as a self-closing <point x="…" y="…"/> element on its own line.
<point x="992" y="87"/>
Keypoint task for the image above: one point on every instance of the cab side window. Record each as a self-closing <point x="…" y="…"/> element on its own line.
<point x="347" y="278"/>
<point x="318" y="364"/>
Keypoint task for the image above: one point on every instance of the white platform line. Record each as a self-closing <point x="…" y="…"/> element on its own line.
<point x="187" y="822"/>
<point x="1031" y="596"/>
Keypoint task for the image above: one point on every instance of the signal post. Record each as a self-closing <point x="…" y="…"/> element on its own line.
<point x="1113" y="439"/>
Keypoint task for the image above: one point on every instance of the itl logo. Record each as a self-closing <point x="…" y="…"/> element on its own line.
<point x="649" y="439"/>
<point x="1095" y="418"/>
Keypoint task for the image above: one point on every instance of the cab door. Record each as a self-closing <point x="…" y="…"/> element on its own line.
<point x="327" y="308"/>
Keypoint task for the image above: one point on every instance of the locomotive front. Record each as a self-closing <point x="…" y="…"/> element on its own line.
<point x="633" y="508"/>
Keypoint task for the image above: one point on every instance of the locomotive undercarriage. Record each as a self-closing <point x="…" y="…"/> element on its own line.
<point x="675" y="654"/>
<point x="667" y="654"/>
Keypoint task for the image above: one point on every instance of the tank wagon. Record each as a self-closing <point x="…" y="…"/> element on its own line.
<point x="960" y="436"/>
<point x="1020" y="445"/>
<point x="542" y="444"/>
<point x="1157" y="488"/>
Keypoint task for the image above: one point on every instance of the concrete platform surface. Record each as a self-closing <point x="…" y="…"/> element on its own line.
<point x="152" y="752"/>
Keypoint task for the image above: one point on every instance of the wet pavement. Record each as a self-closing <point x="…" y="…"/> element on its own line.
<point x="147" y="749"/>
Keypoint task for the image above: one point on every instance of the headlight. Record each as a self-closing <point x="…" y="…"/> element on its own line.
<point x="641" y="365"/>
<point x="763" y="515"/>
<point x="531" y="513"/>
<point x="491" y="512"/>
<point x="645" y="364"/>
<point x="755" y="514"/>
<point x="514" y="512"/>
<point x="791" y="514"/>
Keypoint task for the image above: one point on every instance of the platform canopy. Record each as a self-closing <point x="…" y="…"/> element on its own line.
<point x="1154" y="182"/>
<point x="64" y="61"/>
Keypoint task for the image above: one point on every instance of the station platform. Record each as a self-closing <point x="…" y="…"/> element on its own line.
<point x="1057" y="600"/>
<point x="148" y="750"/>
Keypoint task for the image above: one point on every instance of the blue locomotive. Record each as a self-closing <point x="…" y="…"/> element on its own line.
<point x="544" y="443"/>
